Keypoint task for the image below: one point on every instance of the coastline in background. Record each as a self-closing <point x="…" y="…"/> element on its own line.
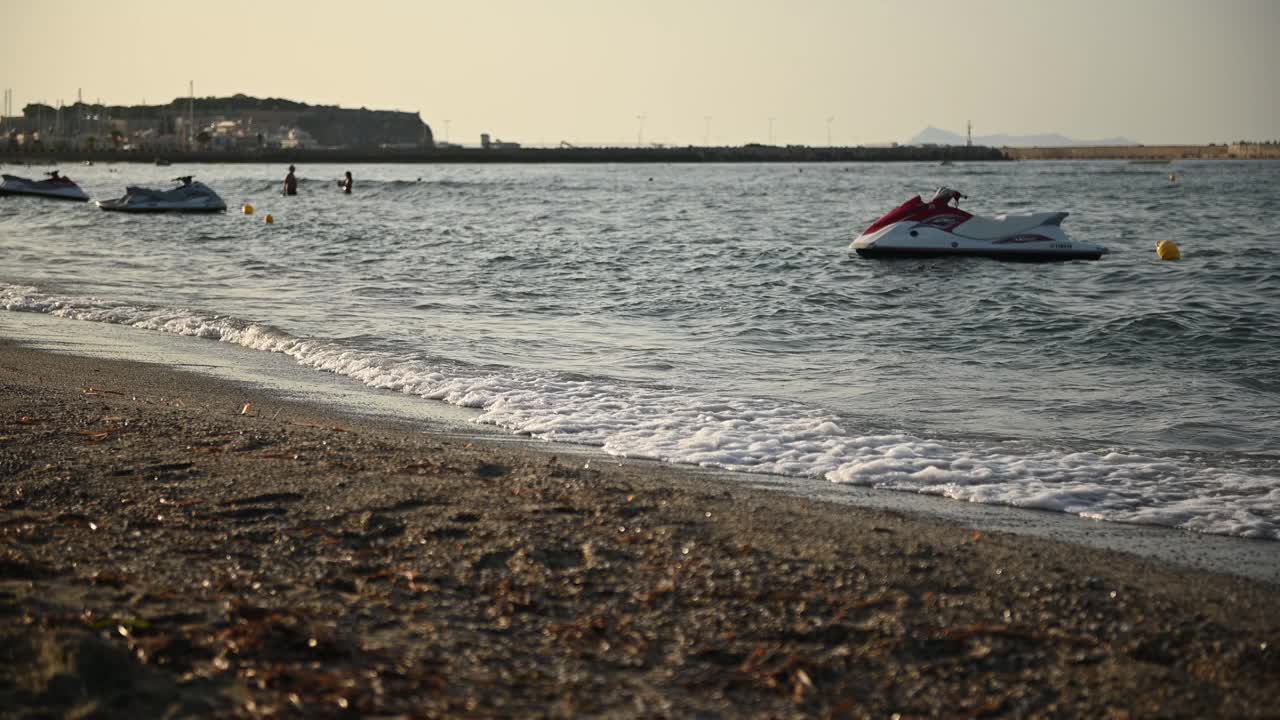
<point x="690" y="154"/>
<point x="474" y="155"/>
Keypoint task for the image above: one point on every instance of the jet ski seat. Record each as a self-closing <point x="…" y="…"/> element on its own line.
<point x="141" y="192"/>
<point x="984" y="228"/>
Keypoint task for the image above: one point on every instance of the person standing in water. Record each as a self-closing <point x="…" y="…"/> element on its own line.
<point x="290" y="183"/>
<point x="346" y="184"/>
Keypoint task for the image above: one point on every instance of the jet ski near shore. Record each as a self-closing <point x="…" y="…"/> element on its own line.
<point x="55" y="187"/>
<point x="188" y="197"/>
<point x="936" y="228"/>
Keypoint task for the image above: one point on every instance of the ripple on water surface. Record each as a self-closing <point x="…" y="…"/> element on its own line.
<point x="713" y="315"/>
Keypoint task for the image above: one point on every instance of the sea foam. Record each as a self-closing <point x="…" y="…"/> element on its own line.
<point x="751" y="435"/>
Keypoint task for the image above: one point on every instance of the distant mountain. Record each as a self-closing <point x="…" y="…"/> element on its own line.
<point x="935" y="136"/>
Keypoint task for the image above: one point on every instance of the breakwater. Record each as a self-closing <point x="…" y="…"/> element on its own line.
<point x="621" y="155"/>
<point x="690" y="154"/>
<point x="1226" y="151"/>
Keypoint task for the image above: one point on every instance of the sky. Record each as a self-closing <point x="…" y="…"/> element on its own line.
<point x="724" y="72"/>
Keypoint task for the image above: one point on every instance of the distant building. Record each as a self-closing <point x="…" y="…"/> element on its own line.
<point x="229" y="135"/>
<point x="297" y="139"/>
<point x="150" y="139"/>
<point x="496" y="144"/>
<point x="1253" y="150"/>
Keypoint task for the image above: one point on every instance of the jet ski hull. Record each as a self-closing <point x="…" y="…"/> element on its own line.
<point x="47" y="195"/>
<point x="889" y="253"/>
<point x="114" y="206"/>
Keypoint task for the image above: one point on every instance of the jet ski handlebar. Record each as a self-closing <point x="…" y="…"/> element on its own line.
<point x="184" y="179"/>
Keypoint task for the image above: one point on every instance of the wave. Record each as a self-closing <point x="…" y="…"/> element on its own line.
<point x="362" y="185"/>
<point x="1161" y="171"/>
<point x="752" y="435"/>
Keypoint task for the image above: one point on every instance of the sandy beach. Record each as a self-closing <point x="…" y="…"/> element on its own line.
<point x="179" y="546"/>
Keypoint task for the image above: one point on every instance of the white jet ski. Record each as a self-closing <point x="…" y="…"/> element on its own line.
<point x="56" y="187"/>
<point x="936" y="228"/>
<point x="189" y="197"/>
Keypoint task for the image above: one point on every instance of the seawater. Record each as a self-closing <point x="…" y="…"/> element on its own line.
<point x="713" y="315"/>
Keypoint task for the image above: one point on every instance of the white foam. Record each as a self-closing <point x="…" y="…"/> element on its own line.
<point x="752" y="435"/>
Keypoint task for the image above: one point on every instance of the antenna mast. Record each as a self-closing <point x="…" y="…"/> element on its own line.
<point x="191" y="114"/>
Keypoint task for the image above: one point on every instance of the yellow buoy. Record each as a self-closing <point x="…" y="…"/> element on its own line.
<point x="247" y="209"/>
<point x="269" y="219"/>
<point x="1168" y="250"/>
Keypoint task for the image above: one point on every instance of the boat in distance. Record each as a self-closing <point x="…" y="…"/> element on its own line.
<point x="939" y="229"/>
<point x="188" y="197"/>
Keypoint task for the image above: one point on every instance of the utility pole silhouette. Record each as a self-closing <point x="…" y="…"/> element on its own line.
<point x="191" y="113"/>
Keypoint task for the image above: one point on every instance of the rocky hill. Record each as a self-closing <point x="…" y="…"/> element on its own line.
<point x="329" y="125"/>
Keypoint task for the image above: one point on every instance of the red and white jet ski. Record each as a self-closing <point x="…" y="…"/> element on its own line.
<point x="56" y="187"/>
<point x="937" y="228"/>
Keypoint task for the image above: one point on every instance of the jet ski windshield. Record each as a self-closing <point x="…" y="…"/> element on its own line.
<point x="141" y="192"/>
<point x="898" y="214"/>
<point x="944" y="195"/>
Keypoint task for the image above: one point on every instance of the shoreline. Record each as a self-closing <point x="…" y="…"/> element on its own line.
<point x="572" y="155"/>
<point x="167" y="549"/>
<point x="662" y="155"/>
<point x="281" y="376"/>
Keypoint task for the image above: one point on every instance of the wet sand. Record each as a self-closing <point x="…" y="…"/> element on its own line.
<point x="176" y="545"/>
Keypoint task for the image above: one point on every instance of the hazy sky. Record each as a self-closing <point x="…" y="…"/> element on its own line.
<point x="542" y="71"/>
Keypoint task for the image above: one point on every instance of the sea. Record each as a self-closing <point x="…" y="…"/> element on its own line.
<point x="713" y="315"/>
